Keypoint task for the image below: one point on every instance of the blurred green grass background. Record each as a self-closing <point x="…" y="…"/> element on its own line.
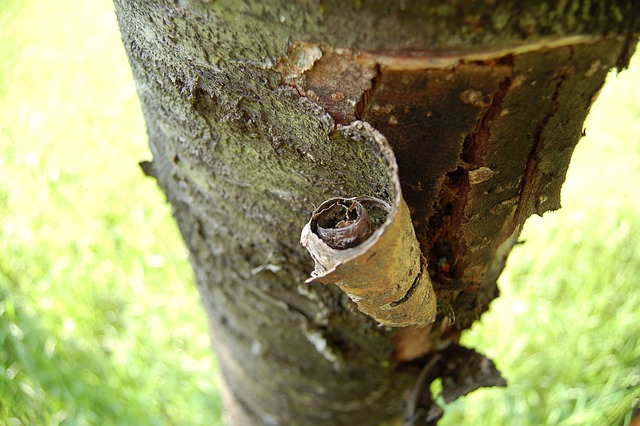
<point x="100" y="322"/>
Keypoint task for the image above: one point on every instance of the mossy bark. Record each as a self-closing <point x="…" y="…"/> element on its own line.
<point x="482" y="103"/>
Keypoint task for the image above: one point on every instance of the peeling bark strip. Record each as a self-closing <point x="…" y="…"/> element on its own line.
<point x="382" y="270"/>
<point x="469" y="176"/>
<point x="249" y="109"/>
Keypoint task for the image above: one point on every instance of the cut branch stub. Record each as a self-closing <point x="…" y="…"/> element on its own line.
<point x="368" y="248"/>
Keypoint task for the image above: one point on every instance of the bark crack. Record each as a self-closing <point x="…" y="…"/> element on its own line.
<point x="476" y="144"/>
<point x="532" y="180"/>
<point x="444" y="243"/>
<point x="408" y="294"/>
<point x="362" y="107"/>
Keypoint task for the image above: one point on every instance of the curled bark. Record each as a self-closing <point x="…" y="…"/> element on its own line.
<point x="368" y="248"/>
<point x="343" y="223"/>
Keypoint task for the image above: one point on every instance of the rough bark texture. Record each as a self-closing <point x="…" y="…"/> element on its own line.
<point x="482" y="102"/>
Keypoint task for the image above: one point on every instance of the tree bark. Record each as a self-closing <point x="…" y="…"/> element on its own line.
<point x="254" y="112"/>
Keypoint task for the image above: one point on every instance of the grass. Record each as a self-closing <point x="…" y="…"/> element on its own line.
<point x="100" y="323"/>
<point x="99" y="320"/>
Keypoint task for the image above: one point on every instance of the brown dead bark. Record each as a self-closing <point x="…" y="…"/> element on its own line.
<point x="246" y="106"/>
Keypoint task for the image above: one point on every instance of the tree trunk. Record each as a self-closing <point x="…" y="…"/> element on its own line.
<point x="258" y="112"/>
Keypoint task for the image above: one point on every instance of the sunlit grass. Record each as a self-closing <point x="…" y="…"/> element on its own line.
<point x="99" y="320"/>
<point x="100" y="323"/>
